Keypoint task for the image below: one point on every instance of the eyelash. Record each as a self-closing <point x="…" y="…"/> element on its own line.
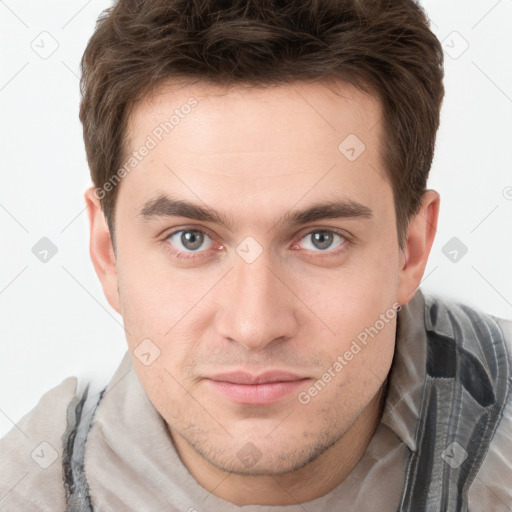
<point x="183" y="255"/>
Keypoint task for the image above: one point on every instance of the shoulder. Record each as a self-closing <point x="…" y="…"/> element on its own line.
<point x="482" y="356"/>
<point x="442" y="312"/>
<point x="492" y="487"/>
<point x="31" y="460"/>
<point x="479" y="337"/>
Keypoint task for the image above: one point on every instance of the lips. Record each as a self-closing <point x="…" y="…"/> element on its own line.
<point x="266" y="388"/>
<point x="264" y="378"/>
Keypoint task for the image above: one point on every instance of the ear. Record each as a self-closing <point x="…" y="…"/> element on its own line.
<point x="420" y="237"/>
<point x="101" y="249"/>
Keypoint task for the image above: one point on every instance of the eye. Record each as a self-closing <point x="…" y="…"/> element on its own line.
<point x="324" y="240"/>
<point x="189" y="240"/>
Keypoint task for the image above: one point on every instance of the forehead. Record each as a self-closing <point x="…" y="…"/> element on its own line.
<point x="256" y="117"/>
<point x="273" y="144"/>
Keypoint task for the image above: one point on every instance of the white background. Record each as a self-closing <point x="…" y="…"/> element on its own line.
<point x="55" y="321"/>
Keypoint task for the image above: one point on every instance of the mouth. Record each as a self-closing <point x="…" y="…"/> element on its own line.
<point x="249" y="389"/>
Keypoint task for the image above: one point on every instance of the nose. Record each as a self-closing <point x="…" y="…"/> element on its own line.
<point x="259" y="309"/>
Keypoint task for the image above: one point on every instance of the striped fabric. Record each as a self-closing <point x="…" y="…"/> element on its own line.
<point x="465" y="392"/>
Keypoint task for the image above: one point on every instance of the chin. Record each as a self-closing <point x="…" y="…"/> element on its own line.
<point x="264" y="457"/>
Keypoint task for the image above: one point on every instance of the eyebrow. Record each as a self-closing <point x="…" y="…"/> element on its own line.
<point x="165" y="206"/>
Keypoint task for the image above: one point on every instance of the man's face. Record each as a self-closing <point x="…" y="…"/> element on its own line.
<point x="238" y="310"/>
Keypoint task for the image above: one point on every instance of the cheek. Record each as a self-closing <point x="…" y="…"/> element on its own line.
<point x="145" y="305"/>
<point x="158" y="305"/>
<point x="151" y="296"/>
<point x="356" y="302"/>
<point x="351" y="297"/>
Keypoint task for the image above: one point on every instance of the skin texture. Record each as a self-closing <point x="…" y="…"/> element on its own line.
<point x="254" y="155"/>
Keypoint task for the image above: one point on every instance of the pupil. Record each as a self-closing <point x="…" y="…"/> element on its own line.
<point x="322" y="240"/>
<point x="192" y="239"/>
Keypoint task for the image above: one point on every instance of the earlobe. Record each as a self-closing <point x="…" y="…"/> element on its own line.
<point x="420" y="237"/>
<point x="101" y="249"/>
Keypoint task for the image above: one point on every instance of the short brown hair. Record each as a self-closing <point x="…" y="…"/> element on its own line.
<point x="384" y="47"/>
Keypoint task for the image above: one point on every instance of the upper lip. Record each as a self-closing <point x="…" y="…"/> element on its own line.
<point x="263" y="378"/>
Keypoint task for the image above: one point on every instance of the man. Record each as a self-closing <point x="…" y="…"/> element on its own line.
<point x="260" y="219"/>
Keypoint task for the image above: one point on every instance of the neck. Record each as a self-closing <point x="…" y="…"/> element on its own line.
<point x="308" y="483"/>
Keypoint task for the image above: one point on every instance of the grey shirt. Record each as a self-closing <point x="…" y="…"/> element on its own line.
<point x="132" y="466"/>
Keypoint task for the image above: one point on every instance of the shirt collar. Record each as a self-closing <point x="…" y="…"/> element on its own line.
<point x="407" y="374"/>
